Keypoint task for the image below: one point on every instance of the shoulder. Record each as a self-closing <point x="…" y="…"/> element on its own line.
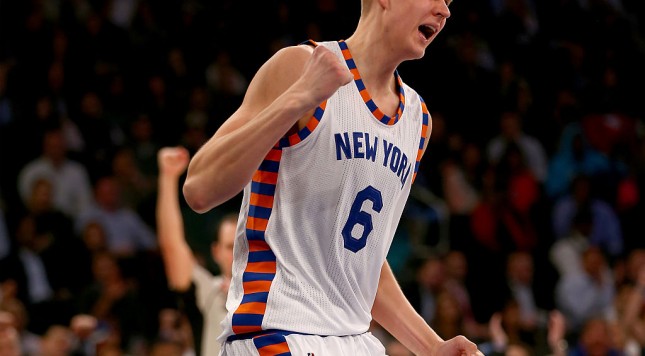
<point x="277" y="74"/>
<point x="287" y="63"/>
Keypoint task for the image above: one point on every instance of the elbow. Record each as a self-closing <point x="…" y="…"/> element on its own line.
<point x="195" y="199"/>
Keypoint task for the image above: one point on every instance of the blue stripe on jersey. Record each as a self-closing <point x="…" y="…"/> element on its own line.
<point x="269" y="166"/>
<point x="261" y="297"/>
<point x="262" y="188"/>
<point x="319" y="113"/>
<point x="304" y="133"/>
<point x="247" y="319"/>
<point x="255" y="235"/>
<point x="266" y="340"/>
<point x="261" y="256"/>
<point x="284" y="142"/>
<point x="360" y="85"/>
<point x="372" y="106"/>
<point x="254" y="276"/>
<point x="259" y="212"/>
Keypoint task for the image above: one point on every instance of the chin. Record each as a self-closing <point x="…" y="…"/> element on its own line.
<point x="418" y="52"/>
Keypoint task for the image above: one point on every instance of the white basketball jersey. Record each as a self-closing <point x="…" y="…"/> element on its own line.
<point x="318" y="218"/>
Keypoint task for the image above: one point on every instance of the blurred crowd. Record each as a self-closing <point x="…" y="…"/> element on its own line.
<point x="525" y="230"/>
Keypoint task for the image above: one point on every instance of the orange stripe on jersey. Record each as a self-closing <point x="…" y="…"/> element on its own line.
<point x="256" y="223"/>
<point x="256" y="287"/>
<point x="274" y="155"/>
<point x="424" y="130"/>
<point x="346" y="54"/>
<point x="258" y="245"/>
<point x="261" y="267"/>
<point x="252" y="308"/>
<point x="365" y="95"/>
<point x="294" y="139"/>
<point x="265" y="177"/>
<point x="243" y="329"/>
<point x="261" y="200"/>
<point x="276" y="349"/>
<point x="312" y="124"/>
<point x="355" y="73"/>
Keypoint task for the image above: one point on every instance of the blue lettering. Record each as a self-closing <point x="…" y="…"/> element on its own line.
<point x="370" y="151"/>
<point x="358" y="145"/>
<point x="342" y="145"/>
<point x="396" y="159"/>
<point x="387" y="148"/>
<point x="405" y="176"/>
<point x="404" y="163"/>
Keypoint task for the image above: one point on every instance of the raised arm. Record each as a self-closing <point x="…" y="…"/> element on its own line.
<point x="286" y="89"/>
<point x="177" y="256"/>
<point x="394" y="312"/>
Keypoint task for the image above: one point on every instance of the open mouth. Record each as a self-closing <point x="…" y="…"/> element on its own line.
<point x="427" y="31"/>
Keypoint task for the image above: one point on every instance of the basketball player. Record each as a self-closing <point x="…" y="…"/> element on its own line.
<point x="325" y="144"/>
<point x="179" y="261"/>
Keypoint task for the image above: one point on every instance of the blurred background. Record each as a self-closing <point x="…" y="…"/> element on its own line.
<point x="530" y="197"/>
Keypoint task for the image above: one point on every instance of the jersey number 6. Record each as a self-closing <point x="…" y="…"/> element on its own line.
<point x="360" y="217"/>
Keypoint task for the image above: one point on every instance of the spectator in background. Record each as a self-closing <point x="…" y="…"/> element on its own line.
<point x="136" y="187"/>
<point x="174" y="327"/>
<point x="100" y="133"/>
<point x="503" y="221"/>
<point x="127" y="234"/>
<point x="532" y="150"/>
<point x="57" y="341"/>
<point x="72" y="189"/>
<point x="587" y="294"/>
<point x="113" y="299"/>
<point x="605" y="232"/>
<point x="142" y="144"/>
<point x="566" y="253"/>
<point x="456" y="267"/>
<point x="58" y="238"/>
<point x="521" y="288"/>
<point x="14" y="315"/>
<point x="424" y="290"/>
<point x="85" y="337"/>
<point x="181" y="267"/>
<point x="595" y="339"/>
<point x="573" y="158"/>
<point x="40" y="204"/>
<point x="499" y="344"/>
<point x="33" y="269"/>
<point x="9" y="343"/>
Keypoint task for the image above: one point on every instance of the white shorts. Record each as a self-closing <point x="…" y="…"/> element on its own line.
<point x="285" y="344"/>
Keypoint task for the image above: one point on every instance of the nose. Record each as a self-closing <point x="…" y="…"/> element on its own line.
<point x="442" y="9"/>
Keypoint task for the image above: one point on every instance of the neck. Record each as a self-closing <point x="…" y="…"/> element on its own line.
<point x="374" y="62"/>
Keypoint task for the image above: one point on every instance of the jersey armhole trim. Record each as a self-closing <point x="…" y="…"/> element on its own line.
<point x="303" y="133"/>
<point x="424" y="135"/>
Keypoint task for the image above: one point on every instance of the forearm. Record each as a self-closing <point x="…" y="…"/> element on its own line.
<point x="177" y="256"/>
<point x="227" y="162"/>
<point x="394" y="312"/>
